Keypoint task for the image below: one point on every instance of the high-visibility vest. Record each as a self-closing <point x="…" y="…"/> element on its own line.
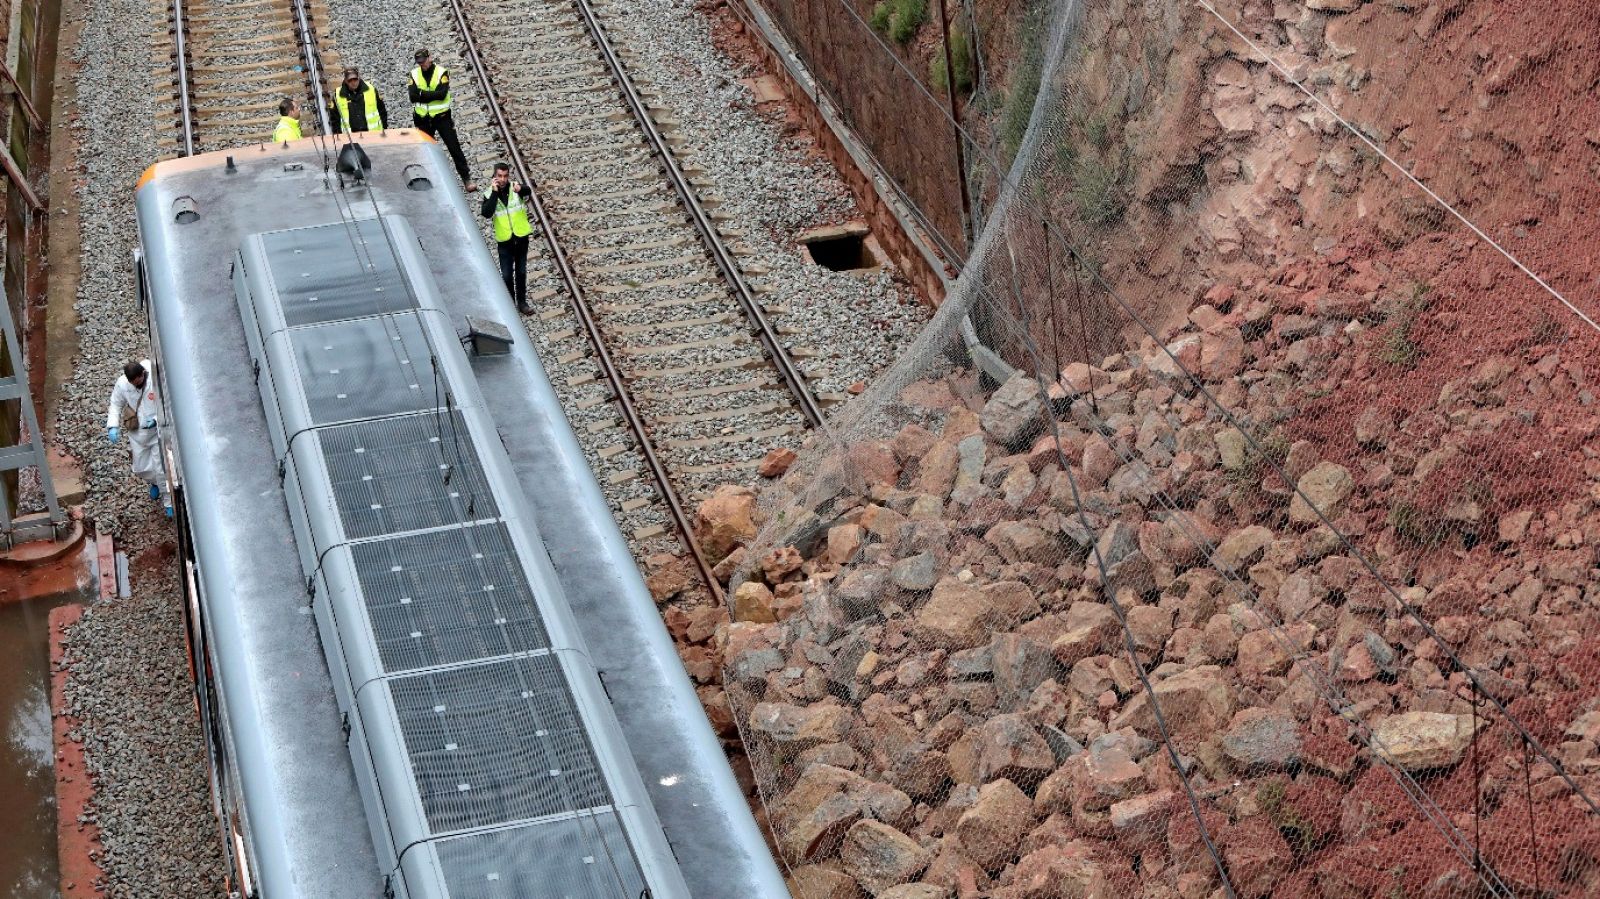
<point x="511" y="218"/>
<point x="288" y="129"/>
<point x="369" y="100"/>
<point x="438" y="107"/>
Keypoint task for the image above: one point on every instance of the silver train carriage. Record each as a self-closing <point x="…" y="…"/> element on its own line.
<point x="425" y="663"/>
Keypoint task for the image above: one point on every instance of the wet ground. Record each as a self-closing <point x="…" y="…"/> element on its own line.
<point x="27" y="782"/>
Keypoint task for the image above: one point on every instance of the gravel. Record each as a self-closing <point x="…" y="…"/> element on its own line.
<point x="129" y="682"/>
<point x="130" y="690"/>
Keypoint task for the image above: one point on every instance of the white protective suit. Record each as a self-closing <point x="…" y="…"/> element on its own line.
<point x="143" y="437"/>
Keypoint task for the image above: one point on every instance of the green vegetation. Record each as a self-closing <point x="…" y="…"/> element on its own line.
<point x="1267" y="447"/>
<point x="1413" y="524"/>
<point x="1097" y="193"/>
<point x="1398" y="347"/>
<point x="960" y="57"/>
<point x="1024" y="88"/>
<point x="899" y="19"/>
<point x="1300" y="834"/>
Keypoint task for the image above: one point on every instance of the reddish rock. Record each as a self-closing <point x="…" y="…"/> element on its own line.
<point x="776" y="462"/>
<point x="725" y="519"/>
<point x="813" y="816"/>
<point x="879" y="856"/>
<point x="1195" y="703"/>
<point x="1067" y="871"/>
<point x="990" y="829"/>
<point x="753" y="602"/>
<point x="873" y="462"/>
<point x="779" y="563"/>
<point x="957" y="616"/>
<point x="1009" y="747"/>
<point x="801" y="726"/>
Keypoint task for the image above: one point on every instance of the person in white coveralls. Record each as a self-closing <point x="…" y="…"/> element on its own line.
<point x="135" y="392"/>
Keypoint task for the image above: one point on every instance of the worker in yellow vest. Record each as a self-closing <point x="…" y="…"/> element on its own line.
<point x="288" y="121"/>
<point x="506" y="205"/>
<point x="430" y="112"/>
<point x="356" y="106"/>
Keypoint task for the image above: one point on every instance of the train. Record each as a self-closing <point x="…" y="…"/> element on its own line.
<point x="425" y="663"/>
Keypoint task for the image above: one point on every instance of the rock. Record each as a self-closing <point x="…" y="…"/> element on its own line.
<point x="1326" y="487"/>
<point x="801" y="726"/>
<point x="1232" y="448"/>
<point x="971" y="455"/>
<point x="1019" y="541"/>
<point x="1020" y="664"/>
<point x="824" y="803"/>
<point x="1262" y="738"/>
<point x="861" y="593"/>
<point x="1244" y="547"/>
<point x="1150" y="627"/>
<point x="1109" y="775"/>
<point x="1141" y="818"/>
<point x="1513" y="526"/>
<point x="1195" y="703"/>
<point x="915" y="573"/>
<point x="669" y="577"/>
<point x="752" y="601"/>
<point x="936" y="473"/>
<point x="844" y="541"/>
<point x="776" y="462"/>
<point x="1373" y="427"/>
<point x="919" y="771"/>
<point x="1221" y="354"/>
<point x="1008" y="747"/>
<point x="879" y="857"/>
<point x="725" y="519"/>
<point x="1059" y="872"/>
<point x="990" y="830"/>
<point x="915" y="891"/>
<point x="1099" y="461"/>
<point x="779" y="563"/>
<point x="1015" y="413"/>
<point x="873" y="462"/>
<point x="1335" y="5"/>
<point x="1091" y="627"/>
<point x="957" y="616"/>
<point x="1417" y="741"/>
<point x="817" y="882"/>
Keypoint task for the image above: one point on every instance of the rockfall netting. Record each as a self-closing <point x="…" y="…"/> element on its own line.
<point x="1231" y="530"/>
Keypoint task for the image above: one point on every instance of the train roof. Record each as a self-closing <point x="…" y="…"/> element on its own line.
<point x="280" y="687"/>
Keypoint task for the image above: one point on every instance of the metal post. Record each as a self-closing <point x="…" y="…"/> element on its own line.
<point x="955" y="125"/>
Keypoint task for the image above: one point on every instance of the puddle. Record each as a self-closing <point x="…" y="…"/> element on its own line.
<point x="27" y="779"/>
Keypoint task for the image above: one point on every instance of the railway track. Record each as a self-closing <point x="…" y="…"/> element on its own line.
<point x="233" y="60"/>
<point x="681" y="341"/>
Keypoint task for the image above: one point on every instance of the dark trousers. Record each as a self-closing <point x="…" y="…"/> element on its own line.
<point x="443" y="129"/>
<point x="514" y="269"/>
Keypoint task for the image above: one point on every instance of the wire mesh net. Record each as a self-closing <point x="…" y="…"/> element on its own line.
<point x="1230" y="530"/>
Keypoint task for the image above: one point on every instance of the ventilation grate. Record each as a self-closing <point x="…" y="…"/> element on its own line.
<point x="447" y="596"/>
<point x="337" y="271"/>
<point x="585" y="857"/>
<point x="366" y="368"/>
<point x="405" y="474"/>
<point x="496" y="743"/>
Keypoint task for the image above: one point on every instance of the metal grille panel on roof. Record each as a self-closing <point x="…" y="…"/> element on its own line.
<point x="448" y="596"/>
<point x="366" y="368"/>
<point x="584" y="857"/>
<point x="405" y="474"/>
<point x="335" y="271"/>
<point x="496" y="743"/>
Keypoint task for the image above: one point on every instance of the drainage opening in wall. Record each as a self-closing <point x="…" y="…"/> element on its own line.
<point x="840" y="249"/>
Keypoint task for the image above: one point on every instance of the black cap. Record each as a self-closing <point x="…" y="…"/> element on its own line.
<point x="421" y="54"/>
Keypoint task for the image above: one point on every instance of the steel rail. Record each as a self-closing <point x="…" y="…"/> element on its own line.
<point x="580" y="306"/>
<point x="761" y="328"/>
<point x="181" y="61"/>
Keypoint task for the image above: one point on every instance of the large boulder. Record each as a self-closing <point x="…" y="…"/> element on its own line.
<point x="1059" y="872"/>
<point x="725" y="519"/>
<point x="1015" y="413"/>
<point x="957" y="616"/>
<point x="801" y="726"/>
<point x="990" y="830"/>
<point x="1009" y="747"/>
<point x="812" y="817"/>
<point x="1195" y="703"/>
<point x="1417" y="741"/>
<point x="880" y="857"/>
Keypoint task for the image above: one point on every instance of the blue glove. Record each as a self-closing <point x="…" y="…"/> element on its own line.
<point x="113" y="433"/>
<point x="150" y="422"/>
